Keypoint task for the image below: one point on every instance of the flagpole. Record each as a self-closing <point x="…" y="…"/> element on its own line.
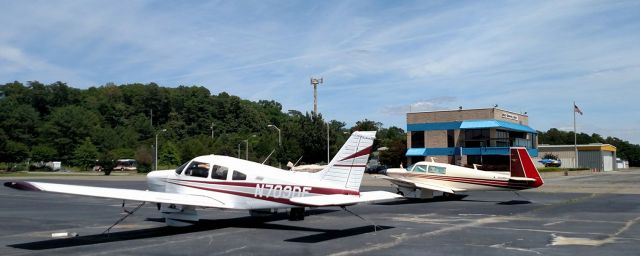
<point x="575" y="136"/>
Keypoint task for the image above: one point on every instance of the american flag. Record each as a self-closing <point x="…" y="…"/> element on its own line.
<point x="577" y="109"/>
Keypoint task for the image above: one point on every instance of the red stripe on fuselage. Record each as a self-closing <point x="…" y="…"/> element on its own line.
<point x="315" y="190"/>
<point x="473" y="181"/>
<point x="243" y="194"/>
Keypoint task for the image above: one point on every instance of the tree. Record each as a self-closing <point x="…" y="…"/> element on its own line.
<point x="144" y="157"/>
<point x="85" y="155"/>
<point x="43" y="153"/>
<point x="366" y="125"/>
<point x="169" y="154"/>
<point x="67" y="126"/>
<point x="14" y="152"/>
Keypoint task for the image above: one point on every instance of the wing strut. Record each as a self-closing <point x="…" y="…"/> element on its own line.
<point x="375" y="227"/>
<point x="129" y="213"/>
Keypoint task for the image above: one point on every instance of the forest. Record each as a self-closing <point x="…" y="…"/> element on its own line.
<point x="83" y="127"/>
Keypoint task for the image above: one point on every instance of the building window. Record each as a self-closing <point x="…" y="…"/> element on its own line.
<point x="476" y="138"/>
<point x="450" y="140"/>
<point x="417" y="139"/>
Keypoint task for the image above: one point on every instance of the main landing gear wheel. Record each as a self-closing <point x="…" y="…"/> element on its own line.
<point x="296" y="214"/>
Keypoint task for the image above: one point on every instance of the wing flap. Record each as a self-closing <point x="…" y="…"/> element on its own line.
<point x="119" y="193"/>
<point x="342" y="200"/>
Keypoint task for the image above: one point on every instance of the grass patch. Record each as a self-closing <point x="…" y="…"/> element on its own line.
<point x="558" y="169"/>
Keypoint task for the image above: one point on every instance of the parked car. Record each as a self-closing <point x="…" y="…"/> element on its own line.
<point x="551" y="162"/>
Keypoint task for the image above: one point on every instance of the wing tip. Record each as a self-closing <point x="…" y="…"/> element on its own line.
<point x="21" y="185"/>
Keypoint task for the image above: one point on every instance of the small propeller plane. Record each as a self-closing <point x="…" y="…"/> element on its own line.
<point x="423" y="178"/>
<point x="223" y="182"/>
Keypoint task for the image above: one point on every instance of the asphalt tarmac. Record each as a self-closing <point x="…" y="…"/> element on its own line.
<point x="581" y="215"/>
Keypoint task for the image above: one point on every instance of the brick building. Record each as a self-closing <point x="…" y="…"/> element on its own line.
<point x="467" y="137"/>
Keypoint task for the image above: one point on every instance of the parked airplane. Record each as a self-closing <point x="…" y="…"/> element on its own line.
<point x="421" y="179"/>
<point x="224" y="182"/>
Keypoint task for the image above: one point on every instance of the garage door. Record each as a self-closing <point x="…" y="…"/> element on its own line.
<point x="607" y="160"/>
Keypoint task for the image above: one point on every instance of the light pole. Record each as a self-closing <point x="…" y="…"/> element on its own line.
<point x="279" y="135"/>
<point x="315" y="82"/>
<point x="239" y="150"/>
<point x="156" y="158"/>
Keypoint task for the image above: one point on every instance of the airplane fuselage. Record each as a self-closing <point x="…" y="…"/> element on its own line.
<point x="258" y="186"/>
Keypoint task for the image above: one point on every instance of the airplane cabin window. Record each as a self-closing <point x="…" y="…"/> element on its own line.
<point x="219" y="172"/>
<point x="197" y="169"/>
<point x="420" y="168"/>
<point x="437" y="169"/>
<point x="181" y="168"/>
<point x="238" y="176"/>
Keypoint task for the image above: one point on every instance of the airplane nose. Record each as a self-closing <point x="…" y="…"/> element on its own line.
<point x="156" y="180"/>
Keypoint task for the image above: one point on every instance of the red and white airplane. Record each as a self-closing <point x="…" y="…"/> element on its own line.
<point x="224" y="182"/>
<point x="422" y="178"/>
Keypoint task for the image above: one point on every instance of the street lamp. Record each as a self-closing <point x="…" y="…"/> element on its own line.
<point x="279" y="135"/>
<point x="156" y="158"/>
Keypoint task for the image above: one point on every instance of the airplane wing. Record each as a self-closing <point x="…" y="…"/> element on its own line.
<point x="119" y="193"/>
<point x="424" y="185"/>
<point x="343" y="200"/>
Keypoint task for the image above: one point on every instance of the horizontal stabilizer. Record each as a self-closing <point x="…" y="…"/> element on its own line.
<point x="118" y="193"/>
<point x="521" y="179"/>
<point x="342" y="200"/>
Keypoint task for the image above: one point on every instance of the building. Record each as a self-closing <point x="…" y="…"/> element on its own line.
<point x="467" y="137"/>
<point x="601" y="157"/>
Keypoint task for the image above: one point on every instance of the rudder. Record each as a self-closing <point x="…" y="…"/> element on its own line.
<point x="521" y="165"/>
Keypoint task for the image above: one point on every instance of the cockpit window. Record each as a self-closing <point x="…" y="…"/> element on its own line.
<point x="238" y="176"/>
<point x="219" y="172"/>
<point x="420" y="168"/>
<point x="437" y="169"/>
<point x="197" y="169"/>
<point x="181" y="168"/>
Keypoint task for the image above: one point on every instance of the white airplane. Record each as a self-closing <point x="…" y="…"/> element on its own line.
<point x="423" y="178"/>
<point x="224" y="182"/>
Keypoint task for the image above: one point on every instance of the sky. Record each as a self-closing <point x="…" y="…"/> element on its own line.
<point x="378" y="59"/>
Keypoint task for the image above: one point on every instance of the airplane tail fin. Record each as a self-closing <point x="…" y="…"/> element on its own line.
<point x="346" y="169"/>
<point x="522" y="166"/>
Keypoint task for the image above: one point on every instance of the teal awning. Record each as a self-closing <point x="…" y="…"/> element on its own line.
<point x="416" y="152"/>
<point x="470" y="124"/>
<point x="480" y="124"/>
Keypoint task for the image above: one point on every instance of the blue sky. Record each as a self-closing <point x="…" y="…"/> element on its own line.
<point x="379" y="59"/>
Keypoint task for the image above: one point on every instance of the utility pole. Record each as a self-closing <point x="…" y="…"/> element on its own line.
<point x="315" y="82"/>
<point x="156" y="156"/>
